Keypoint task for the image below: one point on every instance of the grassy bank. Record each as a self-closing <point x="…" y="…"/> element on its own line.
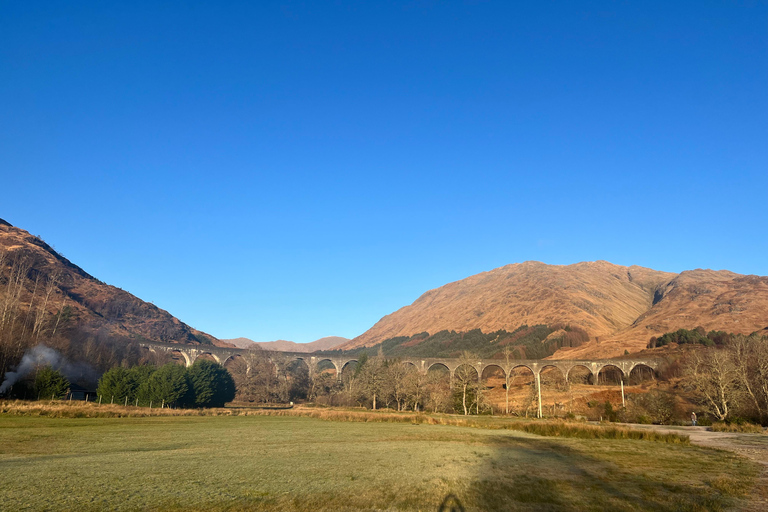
<point x="293" y="462"/>
<point x="551" y="428"/>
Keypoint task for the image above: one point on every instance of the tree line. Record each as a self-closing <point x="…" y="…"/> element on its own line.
<point x="730" y="380"/>
<point x="527" y="342"/>
<point x="204" y="384"/>
<point x="374" y="382"/>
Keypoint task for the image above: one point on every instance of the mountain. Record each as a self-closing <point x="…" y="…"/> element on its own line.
<point x="241" y="342"/>
<point x="51" y="294"/>
<point x="619" y="307"/>
<point x="327" y="343"/>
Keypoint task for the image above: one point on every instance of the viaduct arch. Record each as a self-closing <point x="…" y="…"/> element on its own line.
<point x="221" y="354"/>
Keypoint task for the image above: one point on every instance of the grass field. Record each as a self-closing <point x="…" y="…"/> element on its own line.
<point x="300" y="463"/>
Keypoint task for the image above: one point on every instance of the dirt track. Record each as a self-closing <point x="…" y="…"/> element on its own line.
<point x="752" y="446"/>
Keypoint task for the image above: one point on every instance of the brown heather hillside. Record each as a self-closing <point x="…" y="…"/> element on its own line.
<point x="90" y="305"/>
<point x="715" y="300"/>
<point x="620" y="307"/>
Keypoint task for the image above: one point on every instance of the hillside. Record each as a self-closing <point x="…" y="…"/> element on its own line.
<point x="326" y="343"/>
<point x="51" y="294"/>
<point x="619" y="307"/>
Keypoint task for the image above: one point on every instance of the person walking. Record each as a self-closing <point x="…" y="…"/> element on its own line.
<point x="693" y="419"/>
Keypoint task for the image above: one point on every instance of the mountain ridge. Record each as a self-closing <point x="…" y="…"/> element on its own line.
<point x="619" y="307"/>
<point x="91" y="305"/>
<point x="325" y="343"/>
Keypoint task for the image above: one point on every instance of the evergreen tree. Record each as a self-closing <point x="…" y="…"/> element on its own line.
<point x="212" y="385"/>
<point x="168" y="385"/>
<point x="50" y="383"/>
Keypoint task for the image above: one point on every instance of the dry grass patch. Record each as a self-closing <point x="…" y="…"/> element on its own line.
<point x="743" y="428"/>
<point x="549" y="428"/>
<point x="367" y="461"/>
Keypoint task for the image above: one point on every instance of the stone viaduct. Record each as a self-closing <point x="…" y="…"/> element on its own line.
<point x="594" y="366"/>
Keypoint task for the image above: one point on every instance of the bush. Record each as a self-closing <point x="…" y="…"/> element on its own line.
<point x="167" y="386"/>
<point x="50" y="383"/>
<point x="658" y="406"/>
<point x="211" y="383"/>
<point x="742" y="427"/>
<point x="205" y="384"/>
<point x="122" y="385"/>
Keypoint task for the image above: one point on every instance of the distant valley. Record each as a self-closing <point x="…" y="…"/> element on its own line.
<point x="327" y="343"/>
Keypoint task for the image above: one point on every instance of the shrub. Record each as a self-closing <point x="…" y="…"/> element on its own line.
<point x="169" y="385"/>
<point x="211" y="383"/>
<point x="743" y="427"/>
<point x="50" y="383"/>
<point x="122" y="384"/>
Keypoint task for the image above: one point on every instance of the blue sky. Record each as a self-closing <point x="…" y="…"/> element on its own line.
<point x="299" y="169"/>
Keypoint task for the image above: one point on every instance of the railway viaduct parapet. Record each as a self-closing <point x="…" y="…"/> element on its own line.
<point x="223" y="354"/>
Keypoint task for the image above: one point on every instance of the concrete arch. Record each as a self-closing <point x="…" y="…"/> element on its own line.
<point x="484" y="375"/>
<point x="437" y="364"/>
<point x="234" y="361"/>
<point x="344" y="365"/>
<point x="348" y="369"/>
<point x="466" y="368"/>
<point x="207" y="355"/>
<point x="635" y="374"/>
<point x="590" y="378"/>
<point x="187" y="359"/>
<point x="230" y="358"/>
<point x="521" y="365"/>
<point x="333" y="363"/>
<point x="610" y="374"/>
<point x="305" y="360"/>
<point x="549" y="368"/>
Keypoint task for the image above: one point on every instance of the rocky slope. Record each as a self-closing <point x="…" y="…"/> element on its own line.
<point x="619" y="307"/>
<point x="89" y="304"/>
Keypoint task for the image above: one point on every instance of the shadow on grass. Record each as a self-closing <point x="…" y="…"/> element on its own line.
<point x="542" y="475"/>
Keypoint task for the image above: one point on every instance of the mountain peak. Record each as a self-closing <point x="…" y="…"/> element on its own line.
<point x="619" y="307"/>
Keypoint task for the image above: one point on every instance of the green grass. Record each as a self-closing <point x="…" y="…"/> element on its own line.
<point x="547" y="427"/>
<point x="300" y="463"/>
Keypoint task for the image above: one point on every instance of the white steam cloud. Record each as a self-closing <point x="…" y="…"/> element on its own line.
<point x="41" y="355"/>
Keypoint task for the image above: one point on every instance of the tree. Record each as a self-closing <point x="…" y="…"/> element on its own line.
<point x="398" y="376"/>
<point x="372" y="378"/>
<point x="750" y="358"/>
<point x="507" y="352"/>
<point x="213" y="386"/>
<point x="438" y="391"/>
<point x="50" y="383"/>
<point x="116" y="384"/>
<point x="711" y="375"/>
<point x="417" y="388"/>
<point x="169" y="385"/>
<point x="660" y="405"/>
<point x="256" y="378"/>
<point x="466" y="380"/>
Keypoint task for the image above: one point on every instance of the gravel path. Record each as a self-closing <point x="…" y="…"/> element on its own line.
<point x="752" y="446"/>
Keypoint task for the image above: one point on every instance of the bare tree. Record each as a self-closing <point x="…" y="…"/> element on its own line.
<point x="507" y="352"/>
<point x="466" y="380"/>
<point x="373" y="379"/>
<point x="417" y="388"/>
<point x="398" y="373"/>
<point x="712" y="375"/>
<point x="52" y="282"/>
<point x="438" y="391"/>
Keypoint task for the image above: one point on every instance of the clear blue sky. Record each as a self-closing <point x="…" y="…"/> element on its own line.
<point x="300" y="169"/>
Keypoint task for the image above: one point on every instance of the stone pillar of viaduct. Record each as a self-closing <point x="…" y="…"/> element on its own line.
<point x="222" y="354"/>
